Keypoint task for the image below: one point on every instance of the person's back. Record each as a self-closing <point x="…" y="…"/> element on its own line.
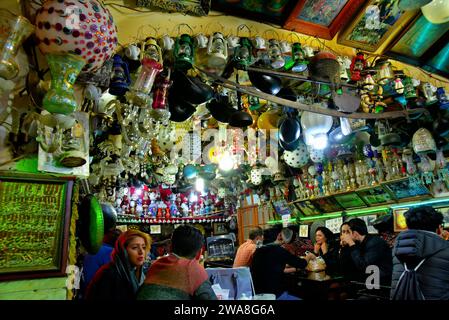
<point x="415" y="246"/>
<point x="179" y="276"/>
<point x="267" y="269"/>
<point x="245" y="252"/>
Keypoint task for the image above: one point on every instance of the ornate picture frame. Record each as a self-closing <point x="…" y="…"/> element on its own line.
<point x="322" y="18"/>
<point x="35" y="215"/>
<point x="368" y="32"/>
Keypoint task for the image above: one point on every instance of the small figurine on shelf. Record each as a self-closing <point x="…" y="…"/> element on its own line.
<point x="167" y="210"/>
<point x="152" y="208"/>
<point x="145" y="203"/>
<point x="125" y="204"/>
<point x="357" y="65"/>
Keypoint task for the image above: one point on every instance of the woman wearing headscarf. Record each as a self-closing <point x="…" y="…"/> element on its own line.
<point x="121" y="278"/>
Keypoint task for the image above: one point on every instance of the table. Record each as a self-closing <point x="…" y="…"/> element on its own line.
<point x="312" y="285"/>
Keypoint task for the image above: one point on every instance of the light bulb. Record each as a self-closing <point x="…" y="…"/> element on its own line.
<point x="199" y="185"/>
<point x="193" y="197"/>
<point x="319" y="141"/>
<point x="226" y="162"/>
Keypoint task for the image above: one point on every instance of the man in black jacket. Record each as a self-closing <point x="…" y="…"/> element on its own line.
<point x="367" y="250"/>
<point x="423" y="242"/>
<point x="269" y="262"/>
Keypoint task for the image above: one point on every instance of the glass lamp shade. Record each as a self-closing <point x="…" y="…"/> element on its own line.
<point x="85" y="28"/>
<point x="145" y="80"/>
<point x="217" y="50"/>
<point x="183" y="52"/>
<point x="437" y="11"/>
<point x="315" y="124"/>
<point x="14" y="30"/>
<point x="64" y="68"/>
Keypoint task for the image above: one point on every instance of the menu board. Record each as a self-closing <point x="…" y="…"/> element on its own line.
<point x="350" y="201"/>
<point x="304" y="231"/>
<point x="406" y="188"/>
<point x="307" y="208"/>
<point x="34" y="219"/>
<point x="374" y="196"/>
<point x="327" y="204"/>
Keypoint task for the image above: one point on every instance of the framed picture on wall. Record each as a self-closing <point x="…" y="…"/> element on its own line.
<point x="322" y="18"/>
<point x="304" y="231"/>
<point x="307" y="208"/>
<point x="374" y="24"/>
<point x="425" y="49"/>
<point x="327" y="204"/>
<point x="407" y="188"/>
<point x="350" y="201"/>
<point x="281" y="207"/>
<point x="369" y="219"/>
<point x="34" y="225"/>
<point x="374" y="196"/>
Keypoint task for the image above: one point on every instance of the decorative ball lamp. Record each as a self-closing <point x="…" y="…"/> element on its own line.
<point x="14" y="30"/>
<point x="436" y="11"/>
<point x="84" y="28"/>
<point x="316" y="127"/>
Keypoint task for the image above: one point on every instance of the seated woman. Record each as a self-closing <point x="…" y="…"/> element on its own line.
<point x="326" y="247"/>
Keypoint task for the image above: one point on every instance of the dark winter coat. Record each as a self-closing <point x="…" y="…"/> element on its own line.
<point x="433" y="275"/>
<point x="372" y="250"/>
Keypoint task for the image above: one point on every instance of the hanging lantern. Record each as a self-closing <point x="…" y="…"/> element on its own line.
<point x="442" y="98"/>
<point x="14" y="31"/>
<point x="183" y="52"/>
<point x="357" y="65"/>
<point x="315" y="128"/>
<point x="384" y="71"/>
<point x="160" y="98"/>
<point x="243" y="54"/>
<point x="120" y="78"/>
<point x="85" y="28"/>
<point x="429" y="92"/>
<point x="275" y="54"/>
<point x="298" y="58"/>
<point x="64" y="68"/>
<point x="409" y="88"/>
<point x="217" y="50"/>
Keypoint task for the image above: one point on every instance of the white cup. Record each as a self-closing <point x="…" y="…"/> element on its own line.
<point x="259" y="42"/>
<point x="233" y="41"/>
<point x="167" y="42"/>
<point x="201" y="41"/>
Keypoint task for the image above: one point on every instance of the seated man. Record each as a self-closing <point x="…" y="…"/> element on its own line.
<point x="367" y="250"/>
<point x="422" y="244"/>
<point x="179" y="276"/>
<point x="245" y="252"/>
<point x="269" y="262"/>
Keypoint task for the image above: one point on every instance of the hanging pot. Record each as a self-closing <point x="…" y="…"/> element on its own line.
<point x="221" y="110"/>
<point x="240" y="119"/>
<point x="264" y="82"/>
<point x="180" y="110"/>
<point x="324" y="66"/>
<point x="290" y="146"/>
<point x="191" y="89"/>
<point x="289" y="130"/>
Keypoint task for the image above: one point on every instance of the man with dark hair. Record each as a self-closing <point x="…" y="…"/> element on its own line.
<point x="245" y="252"/>
<point x="367" y="250"/>
<point x="179" y="276"/>
<point x="269" y="263"/>
<point x="421" y="246"/>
